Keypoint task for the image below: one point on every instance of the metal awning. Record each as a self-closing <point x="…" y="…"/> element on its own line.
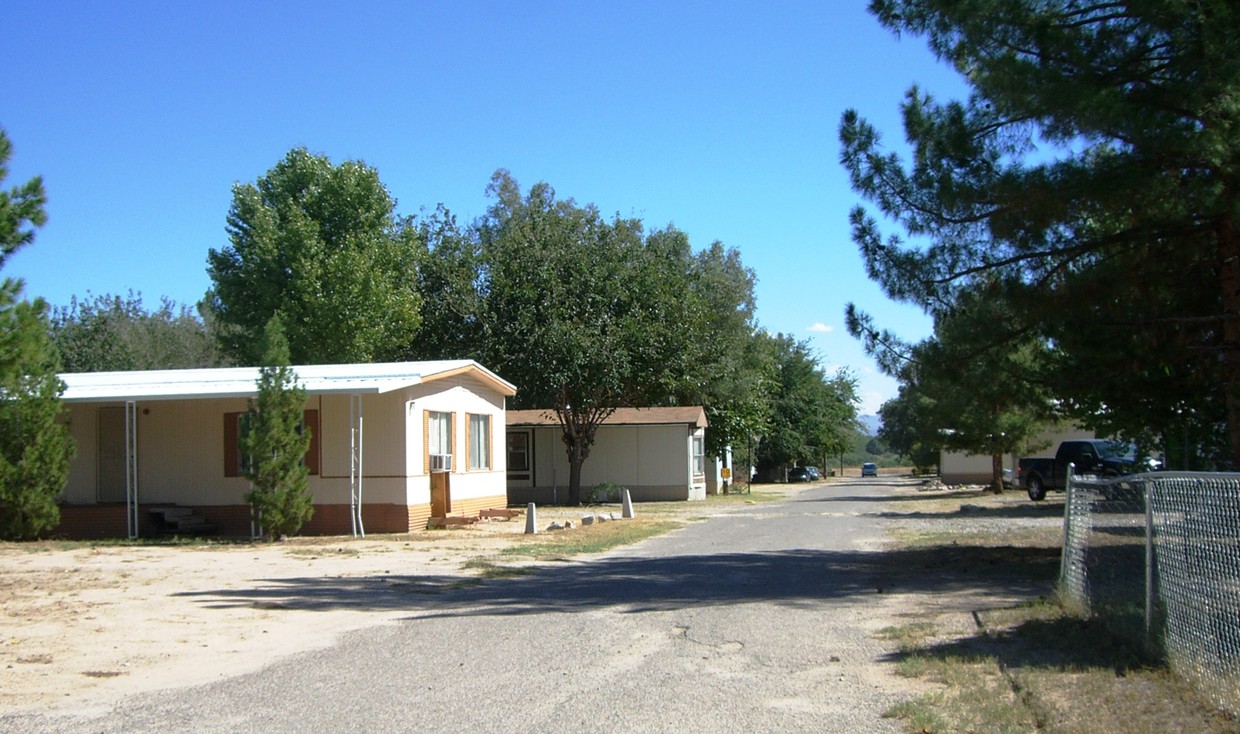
<point x="242" y="382"/>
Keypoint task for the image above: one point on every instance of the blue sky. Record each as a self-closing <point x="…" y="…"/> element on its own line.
<point x="718" y="117"/>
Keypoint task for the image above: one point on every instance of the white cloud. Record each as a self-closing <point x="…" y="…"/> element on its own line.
<point x="822" y="328"/>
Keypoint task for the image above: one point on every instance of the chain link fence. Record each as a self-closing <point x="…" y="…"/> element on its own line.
<point x="1159" y="556"/>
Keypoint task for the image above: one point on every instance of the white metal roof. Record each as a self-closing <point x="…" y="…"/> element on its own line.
<point x="240" y="382"/>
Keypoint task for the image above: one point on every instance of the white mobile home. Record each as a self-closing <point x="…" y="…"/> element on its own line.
<point x="956" y="467"/>
<point x="655" y="453"/>
<point x="392" y="445"/>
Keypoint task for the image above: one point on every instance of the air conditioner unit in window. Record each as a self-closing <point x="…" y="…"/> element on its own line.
<point x="441" y="462"/>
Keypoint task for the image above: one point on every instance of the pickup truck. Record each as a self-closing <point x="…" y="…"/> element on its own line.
<point x="1092" y="456"/>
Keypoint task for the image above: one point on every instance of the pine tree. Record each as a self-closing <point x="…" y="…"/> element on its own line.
<point x="1090" y="179"/>
<point x="275" y="441"/>
<point x="35" y="445"/>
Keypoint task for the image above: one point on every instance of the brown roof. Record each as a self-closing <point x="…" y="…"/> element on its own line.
<point x="691" y="414"/>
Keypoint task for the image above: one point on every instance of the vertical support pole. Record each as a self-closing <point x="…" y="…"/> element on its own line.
<point x="355" y="465"/>
<point x="131" y="468"/>
<point x="1067" y="526"/>
<point x="1149" y="564"/>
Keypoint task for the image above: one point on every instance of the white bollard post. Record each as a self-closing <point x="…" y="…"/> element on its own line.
<point x="531" y="522"/>
<point x="626" y="509"/>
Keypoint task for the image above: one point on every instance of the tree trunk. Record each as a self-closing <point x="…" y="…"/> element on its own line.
<point x="1229" y="256"/>
<point x="575" y="460"/>
<point x="996" y="473"/>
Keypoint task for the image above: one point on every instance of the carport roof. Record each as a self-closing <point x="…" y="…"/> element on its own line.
<point x="233" y="382"/>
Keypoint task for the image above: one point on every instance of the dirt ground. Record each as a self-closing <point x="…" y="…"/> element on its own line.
<point x="82" y="625"/>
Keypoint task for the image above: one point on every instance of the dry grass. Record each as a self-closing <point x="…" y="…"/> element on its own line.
<point x="1035" y="666"/>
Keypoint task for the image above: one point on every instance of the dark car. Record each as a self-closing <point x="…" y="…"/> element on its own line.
<point x="869" y="470"/>
<point x="800" y="474"/>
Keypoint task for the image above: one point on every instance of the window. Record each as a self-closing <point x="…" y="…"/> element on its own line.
<point x="519" y="452"/>
<point x="235" y="463"/>
<point x="438" y="441"/>
<point x="699" y="455"/>
<point x="479" y="442"/>
<point x="519" y="443"/>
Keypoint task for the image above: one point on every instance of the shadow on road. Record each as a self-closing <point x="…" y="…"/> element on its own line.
<point x="793" y="578"/>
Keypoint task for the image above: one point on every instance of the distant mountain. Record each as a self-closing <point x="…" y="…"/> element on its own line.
<point x="870" y="424"/>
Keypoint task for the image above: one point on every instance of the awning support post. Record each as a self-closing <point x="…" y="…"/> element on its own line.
<point x="131" y="468"/>
<point x="355" y="465"/>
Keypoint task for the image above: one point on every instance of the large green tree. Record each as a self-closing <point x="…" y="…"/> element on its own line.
<point x="558" y="298"/>
<point x="813" y="414"/>
<point x="907" y="428"/>
<point x="110" y="333"/>
<point x="322" y="245"/>
<point x="35" y="446"/>
<point x="274" y="441"/>
<point x="584" y="314"/>
<point x="733" y="371"/>
<point x="1091" y="181"/>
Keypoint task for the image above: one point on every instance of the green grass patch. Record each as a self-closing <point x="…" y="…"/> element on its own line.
<point x="908" y="636"/>
<point x="487" y="568"/>
<point x="588" y="539"/>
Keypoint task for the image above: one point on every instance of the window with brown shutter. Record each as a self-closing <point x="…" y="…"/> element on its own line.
<point x="234" y="462"/>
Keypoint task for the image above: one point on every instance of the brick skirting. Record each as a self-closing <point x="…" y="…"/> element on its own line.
<point x="109" y="521"/>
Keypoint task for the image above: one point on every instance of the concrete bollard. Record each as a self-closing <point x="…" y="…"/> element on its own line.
<point x="531" y="522"/>
<point x="626" y="509"/>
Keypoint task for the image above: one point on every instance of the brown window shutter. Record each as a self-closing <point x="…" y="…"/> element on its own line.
<point x="469" y="441"/>
<point x="426" y="442"/>
<point x="232" y="460"/>
<point x="311" y="422"/>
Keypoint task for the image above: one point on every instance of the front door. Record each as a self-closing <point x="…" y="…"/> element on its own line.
<point x="441" y="494"/>
<point x="110" y="481"/>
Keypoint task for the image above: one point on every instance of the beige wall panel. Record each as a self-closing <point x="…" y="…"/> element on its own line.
<point x="81" y="484"/>
<point x="383" y="435"/>
<point x="181" y="453"/>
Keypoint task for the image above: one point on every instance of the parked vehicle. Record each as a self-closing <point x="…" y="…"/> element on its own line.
<point x="814" y="474"/>
<point x="800" y="474"/>
<point x="869" y="469"/>
<point x="1098" y="457"/>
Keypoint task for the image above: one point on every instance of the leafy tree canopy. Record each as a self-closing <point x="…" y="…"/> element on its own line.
<point x="587" y="313"/>
<point x="1090" y="182"/>
<point x="732" y="370"/>
<point x="584" y="314"/>
<point x="813" y="415"/>
<point x="110" y="333"/>
<point x="320" y="244"/>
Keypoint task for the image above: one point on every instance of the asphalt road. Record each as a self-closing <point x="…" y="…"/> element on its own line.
<point x="757" y="619"/>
